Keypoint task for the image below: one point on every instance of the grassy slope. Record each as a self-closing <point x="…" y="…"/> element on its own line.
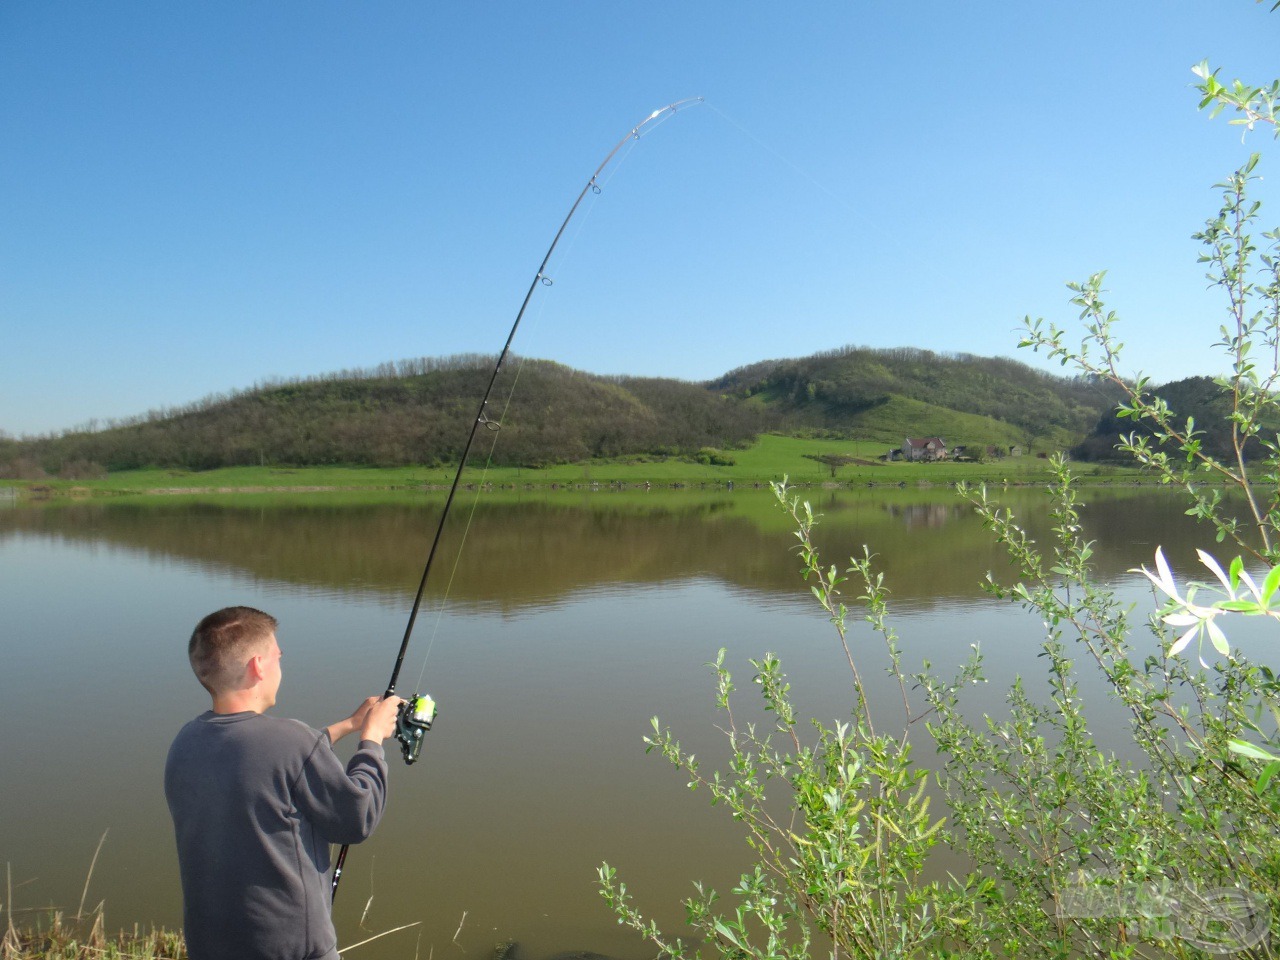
<point x="903" y="417"/>
<point x="770" y="458"/>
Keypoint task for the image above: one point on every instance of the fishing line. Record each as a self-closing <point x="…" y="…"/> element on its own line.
<point x="596" y="188"/>
<point x="466" y="529"/>
<point x="795" y="167"/>
<point x="1094" y="387"/>
<point x="417" y="713"/>
<point x="562" y="263"/>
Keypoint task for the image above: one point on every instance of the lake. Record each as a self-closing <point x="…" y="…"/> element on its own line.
<point x="570" y="620"/>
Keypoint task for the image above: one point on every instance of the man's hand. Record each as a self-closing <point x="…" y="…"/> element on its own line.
<point x="380" y="719"/>
<point x="354" y="722"/>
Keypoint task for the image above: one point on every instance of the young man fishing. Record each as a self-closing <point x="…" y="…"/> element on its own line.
<point x="256" y="800"/>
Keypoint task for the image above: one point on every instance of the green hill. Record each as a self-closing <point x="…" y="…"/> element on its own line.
<point x="556" y="415"/>
<point x="420" y="411"/>
<point x="833" y="388"/>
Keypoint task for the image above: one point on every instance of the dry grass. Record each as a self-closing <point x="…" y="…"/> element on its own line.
<point x="55" y="938"/>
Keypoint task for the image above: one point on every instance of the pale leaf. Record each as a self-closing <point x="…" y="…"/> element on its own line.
<point x="1218" y="572"/>
<point x="1165" y="579"/>
<point x="1253" y="587"/>
<point x="1218" y="637"/>
<point x="1181" y="643"/>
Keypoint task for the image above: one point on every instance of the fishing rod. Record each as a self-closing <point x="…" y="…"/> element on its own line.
<point x="418" y="712"/>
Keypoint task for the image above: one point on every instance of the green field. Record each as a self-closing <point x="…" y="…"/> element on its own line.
<point x="769" y="458"/>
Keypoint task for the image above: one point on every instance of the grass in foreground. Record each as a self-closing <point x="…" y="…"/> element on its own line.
<point x="58" y="939"/>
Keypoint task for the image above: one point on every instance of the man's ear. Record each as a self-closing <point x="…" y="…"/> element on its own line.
<point x="254" y="671"/>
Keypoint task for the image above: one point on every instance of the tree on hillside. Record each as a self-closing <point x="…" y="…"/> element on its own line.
<point x="833" y="461"/>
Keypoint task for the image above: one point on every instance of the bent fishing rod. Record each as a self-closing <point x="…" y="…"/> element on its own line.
<point x="418" y="712"/>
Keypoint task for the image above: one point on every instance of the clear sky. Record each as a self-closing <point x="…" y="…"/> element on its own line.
<point x="198" y="196"/>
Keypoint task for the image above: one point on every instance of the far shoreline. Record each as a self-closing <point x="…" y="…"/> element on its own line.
<point x="305" y="481"/>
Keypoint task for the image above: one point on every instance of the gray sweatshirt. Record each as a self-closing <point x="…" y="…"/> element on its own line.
<point x="256" y="801"/>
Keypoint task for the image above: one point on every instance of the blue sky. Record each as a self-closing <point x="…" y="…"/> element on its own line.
<point x="198" y="196"/>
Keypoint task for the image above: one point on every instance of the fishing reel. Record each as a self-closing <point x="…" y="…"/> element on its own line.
<point x="413" y="719"/>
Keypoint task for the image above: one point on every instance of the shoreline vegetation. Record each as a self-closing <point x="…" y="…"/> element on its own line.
<point x="768" y="459"/>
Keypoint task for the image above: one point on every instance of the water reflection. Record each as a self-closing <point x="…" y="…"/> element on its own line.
<point x="924" y="514"/>
<point x="531" y="551"/>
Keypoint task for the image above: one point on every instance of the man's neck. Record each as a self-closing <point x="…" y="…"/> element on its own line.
<point x="240" y="701"/>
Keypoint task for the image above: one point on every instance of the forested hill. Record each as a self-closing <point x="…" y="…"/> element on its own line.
<point x="1203" y="400"/>
<point x="419" y="412"/>
<point x="556" y="415"/>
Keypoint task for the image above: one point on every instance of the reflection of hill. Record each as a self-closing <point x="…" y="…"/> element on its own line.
<point x="518" y="554"/>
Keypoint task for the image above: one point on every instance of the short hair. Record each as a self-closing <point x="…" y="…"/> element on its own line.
<point x="221" y="641"/>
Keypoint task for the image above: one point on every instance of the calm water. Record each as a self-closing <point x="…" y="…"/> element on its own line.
<point x="571" y="620"/>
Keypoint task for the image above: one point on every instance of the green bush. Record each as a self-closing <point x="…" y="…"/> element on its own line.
<point x="715" y="458"/>
<point x="1075" y="851"/>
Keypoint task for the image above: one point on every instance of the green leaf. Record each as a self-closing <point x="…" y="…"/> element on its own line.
<point x="1246" y="749"/>
<point x="723" y="930"/>
<point x="1270" y="584"/>
<point x="1269" y="771"/>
